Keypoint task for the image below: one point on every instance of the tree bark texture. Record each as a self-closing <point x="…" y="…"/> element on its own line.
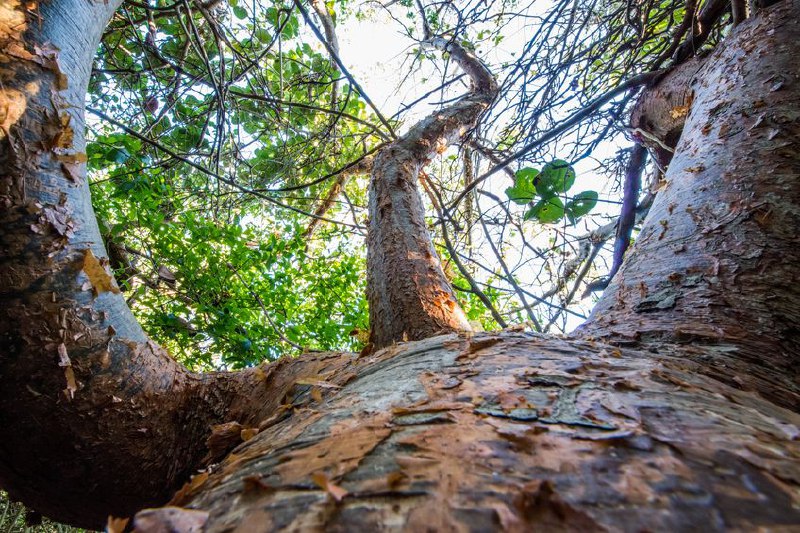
<point x="678" y="424"/>
<point x="96" y="418"/>
<point x="512" y="432"/>
<point x="687" y="416"/>
<point x="408" y="293"/>
<point x="716" y="261"/>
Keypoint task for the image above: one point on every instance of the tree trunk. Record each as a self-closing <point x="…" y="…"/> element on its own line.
<point x="408" y="293"/>
<point x="97" y="419"/>
<point x="687" y="417"/>
<point x="716" y="263"/>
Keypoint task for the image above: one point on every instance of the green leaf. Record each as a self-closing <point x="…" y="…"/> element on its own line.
<point x="263" y="35"/>
<point x="239" y="12"/>
<point x="523" y="190"/>
<point x="291" y="29"/>
<point x="557" y="177"/>
<point x="546" y="210"/>
<point x="271" y="15"/>
<point x="581" y="204"/>
<point x="117" y="155"/>
<point x="187" y="138"/>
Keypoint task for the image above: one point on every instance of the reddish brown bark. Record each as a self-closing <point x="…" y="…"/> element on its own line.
<point x="514" y="432"/>
<point x="685" y="425"/>
<point x="408" y="293"/>
<point x="96" y="418"/>
<point x="716" y="261"/>
<point x="522" y="432"/>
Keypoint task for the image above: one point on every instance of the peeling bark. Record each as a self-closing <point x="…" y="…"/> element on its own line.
<point x="125" y="424"/>
<point x="684" y="420"/>
<point x="519" y="432"/>
<point x="408" y="293"/>
<point x="515" y="432"/>
<point x="716" y="260"/>
<point x="659" y="115"/>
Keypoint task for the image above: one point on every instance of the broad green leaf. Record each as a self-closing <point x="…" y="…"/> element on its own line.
<point x="117" y="155"/>
<point x="556" y="178"/>
<point x="263" y="35"/>
<point x="581" y="204"/>
<point x="239" y="12"/>
<point x="546" y="210"/>
<point x="271" y="15"/>
<point x="523" y="190"/>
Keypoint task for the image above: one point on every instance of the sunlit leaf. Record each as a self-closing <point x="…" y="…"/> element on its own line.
<point x="581" y="204"/>
<point x="524" y="189"/>
<point x="547" y="210"/>
<point x="239" y="12"/>
<point x="556" y="178"/>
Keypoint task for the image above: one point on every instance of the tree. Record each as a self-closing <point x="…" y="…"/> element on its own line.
<point x="675" y="404"/>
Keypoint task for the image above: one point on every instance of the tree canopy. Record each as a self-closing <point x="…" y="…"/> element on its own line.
<point x="230" y="147"/>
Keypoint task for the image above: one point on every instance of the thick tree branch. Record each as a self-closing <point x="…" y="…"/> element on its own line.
<point x="685" y="278"/>
<point x="125" y="424"/>
<point x="409" y="295"/>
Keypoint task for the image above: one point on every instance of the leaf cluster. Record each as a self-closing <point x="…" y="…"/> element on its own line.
<point x="542" y="190"/>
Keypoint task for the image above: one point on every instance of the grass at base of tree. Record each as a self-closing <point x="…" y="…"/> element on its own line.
<point x="12" y="520"/>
